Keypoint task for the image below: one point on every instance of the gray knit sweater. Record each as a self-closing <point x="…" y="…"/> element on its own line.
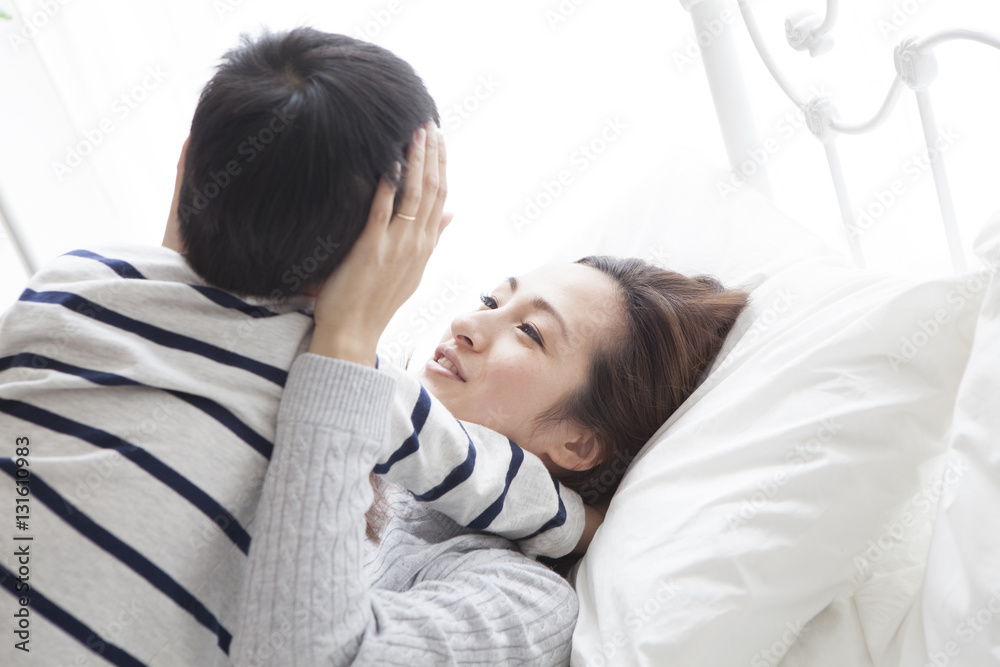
<point x="429" y="593"/>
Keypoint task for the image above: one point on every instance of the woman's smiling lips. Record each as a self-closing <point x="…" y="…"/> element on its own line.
<point x="445" y="362"/>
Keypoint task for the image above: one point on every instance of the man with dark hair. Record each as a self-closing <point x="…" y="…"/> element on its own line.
<point x="287" y="144"/>
<point x="139" y="386"/>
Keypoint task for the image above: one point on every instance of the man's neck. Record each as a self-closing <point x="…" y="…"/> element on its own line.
<point x="172" y="235"/>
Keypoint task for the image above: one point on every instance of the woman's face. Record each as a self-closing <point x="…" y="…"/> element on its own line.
<point x="526" y="349"/>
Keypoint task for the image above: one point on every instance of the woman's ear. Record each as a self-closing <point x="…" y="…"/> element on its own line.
<point x="580" y="451"/>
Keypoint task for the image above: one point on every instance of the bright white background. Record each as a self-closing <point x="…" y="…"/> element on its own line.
<point x="521" y="86"/>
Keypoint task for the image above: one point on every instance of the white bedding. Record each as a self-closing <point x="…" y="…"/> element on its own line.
<point x="784" y="514"/>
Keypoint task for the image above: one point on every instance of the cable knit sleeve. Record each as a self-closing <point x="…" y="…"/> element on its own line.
<point x="308" y="600"/>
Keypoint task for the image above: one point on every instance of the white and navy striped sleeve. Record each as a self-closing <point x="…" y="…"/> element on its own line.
<point x="476" y="476"/>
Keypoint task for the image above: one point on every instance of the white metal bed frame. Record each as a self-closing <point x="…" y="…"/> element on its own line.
<point x="915" y="65"/>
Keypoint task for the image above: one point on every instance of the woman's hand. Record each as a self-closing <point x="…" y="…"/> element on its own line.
<point x="387" y="261"/>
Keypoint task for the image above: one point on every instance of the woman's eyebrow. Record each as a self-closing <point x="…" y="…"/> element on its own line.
<point x="541" y="304"/>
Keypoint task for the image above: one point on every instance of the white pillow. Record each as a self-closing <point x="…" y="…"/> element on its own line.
<point x="956" y="615"/>
<point x="744" y="516"/>
<point x="927" y="595"/>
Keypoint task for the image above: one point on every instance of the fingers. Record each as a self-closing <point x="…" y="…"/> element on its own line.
<point x="415" y="156"/>
<point x="424" y="191"/>
<point x="431" y="177"/>
<point x="445" y="221"/>
<point x="433" y="228"/>
<point x="381" y="210"/>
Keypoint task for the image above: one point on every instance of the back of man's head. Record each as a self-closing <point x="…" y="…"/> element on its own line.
<point x="288" y="142"/>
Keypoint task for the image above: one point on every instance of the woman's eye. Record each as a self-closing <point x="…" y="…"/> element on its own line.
<point x="532" y="332"/>
<point x="527" y="328"/>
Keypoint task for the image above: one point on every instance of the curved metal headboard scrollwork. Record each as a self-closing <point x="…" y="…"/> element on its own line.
<point x="916" y="68"/>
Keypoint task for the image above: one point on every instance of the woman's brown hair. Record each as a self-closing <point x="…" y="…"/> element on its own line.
<point x="672" y="329"/>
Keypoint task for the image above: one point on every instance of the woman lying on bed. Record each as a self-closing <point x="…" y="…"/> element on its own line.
<point x="579" y="364"/>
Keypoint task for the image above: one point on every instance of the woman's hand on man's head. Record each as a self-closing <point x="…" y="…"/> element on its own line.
<point x="384" y="267"/>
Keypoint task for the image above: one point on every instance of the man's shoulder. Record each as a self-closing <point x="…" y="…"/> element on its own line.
<point x="152" y="276"/>
<point x="116" y="262"/>
<point x="141" y="299"/>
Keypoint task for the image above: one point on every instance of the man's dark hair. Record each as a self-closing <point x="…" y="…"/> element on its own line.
<point x="288" y="142"/>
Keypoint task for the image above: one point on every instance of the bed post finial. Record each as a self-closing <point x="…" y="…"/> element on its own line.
<point x="820" y="117"/>
<point x="803" y="30"/>
<point x="917" y="68"/>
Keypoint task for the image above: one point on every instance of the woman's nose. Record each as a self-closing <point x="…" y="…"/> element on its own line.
<point x="471" y="330"/>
